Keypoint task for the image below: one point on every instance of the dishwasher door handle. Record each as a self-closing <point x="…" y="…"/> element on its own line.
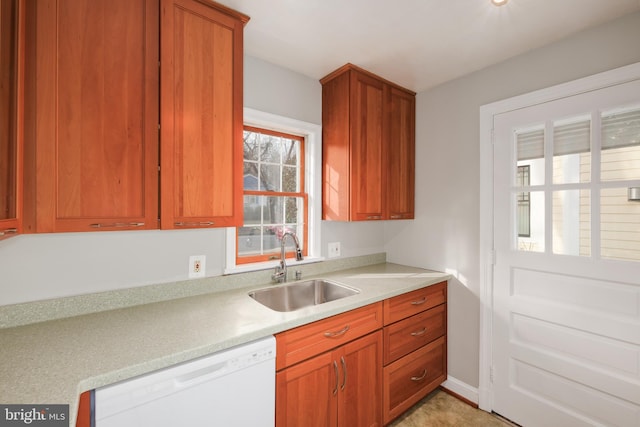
<point x="203" y="374"/>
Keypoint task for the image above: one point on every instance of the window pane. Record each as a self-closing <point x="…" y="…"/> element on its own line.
<point x="572" y="152"/>
<point x="619" y="225"/>
<point x="291" y="151"/>
<point x="572" y="222"/>
<point x="530" y="152"/>
<point x="620" y="157"/>
<point x="534" y="222"/>
<point x="251" y="145"/>
<point x="290" y="182"/>
<point x="270" y="148"/>
<point x="270" y="178"/>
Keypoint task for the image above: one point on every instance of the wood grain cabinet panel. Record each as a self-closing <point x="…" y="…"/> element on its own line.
<point x="415" y="347"/>
<point x="12" y="40"/>
<point x="201" y="115"/>
<point x="368" y="133"/>
<point x="405" y="305"/>
<point x="92" y="112"/>
<point x="96" y="100"/>
<point x="400" y="154"/>
<point x="405" y="336"/>
<point x="295" y="345"/>
<point x="341" y="387"/>
<point x="412" y="377"/>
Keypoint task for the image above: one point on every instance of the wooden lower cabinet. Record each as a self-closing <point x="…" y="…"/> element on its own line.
<point x="415" y="347"/>
<point x="409" y="379"/>
<point x="341" y="387"/>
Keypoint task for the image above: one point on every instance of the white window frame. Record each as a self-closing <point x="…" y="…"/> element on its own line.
<point x="312" y="134"/>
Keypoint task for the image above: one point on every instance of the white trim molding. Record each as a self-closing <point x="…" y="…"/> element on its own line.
<point x="487" y="112"/>
<point x="461" y="388"/>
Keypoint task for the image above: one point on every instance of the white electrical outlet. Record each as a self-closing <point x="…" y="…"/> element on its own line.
<point x="334" y="249"/>
<point x="197" y="266"/>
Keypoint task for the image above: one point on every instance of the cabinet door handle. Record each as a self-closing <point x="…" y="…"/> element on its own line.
<point x="193" y="224"/>
<point x="422" y="301"/>
<point x="396" y="216"/>
<point x="335" y="367"/>
<point x="116" y="224"/>
<point x="344" y="373"/>
<point x="8" y="231"/>
<point x="418" y="333"/>
<point x="374" y="216"/>
<point x="337" y="334"/>
<point x="421" y="377"/>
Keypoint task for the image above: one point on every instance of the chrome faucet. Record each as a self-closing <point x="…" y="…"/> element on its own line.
<point x="280" y="275"/>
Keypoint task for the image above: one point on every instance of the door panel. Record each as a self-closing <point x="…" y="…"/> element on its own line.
<point x="566" y="319"/>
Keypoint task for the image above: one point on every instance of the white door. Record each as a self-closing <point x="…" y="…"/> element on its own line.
<point x="566" y="291"/>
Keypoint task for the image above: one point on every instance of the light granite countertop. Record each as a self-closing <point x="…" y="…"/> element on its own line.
<point x="53" y="362"/>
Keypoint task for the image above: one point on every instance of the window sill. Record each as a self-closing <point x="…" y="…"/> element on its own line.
<point x="270" y="265"/>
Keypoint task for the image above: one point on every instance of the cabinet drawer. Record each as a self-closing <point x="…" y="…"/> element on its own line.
<point x="405" y="305"/>
<point x="298" y="344"/>
<point x="412" y="377"/>
<point x="407" y="335"/>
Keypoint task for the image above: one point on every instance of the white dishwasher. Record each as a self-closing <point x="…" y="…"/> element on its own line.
<point x="234" y="387"/>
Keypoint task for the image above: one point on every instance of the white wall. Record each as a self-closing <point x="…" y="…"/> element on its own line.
<point x="38" y="267"/>
<point x="445" y="233"/>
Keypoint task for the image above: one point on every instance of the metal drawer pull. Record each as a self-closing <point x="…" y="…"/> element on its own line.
<point x="117" y="224"/>
<point x="337" y="334"/>
<point x="421" y="377"/>
<point x="344" y="373"/>
<point x="374" y="216"/>
<point x="335" y="367"/>
<point x="8" y="231"/>
<point x="193" y="224"/>
<point x="396" y="216"/>
<point x="418" y="333"/>
<point x="422" y="301"/>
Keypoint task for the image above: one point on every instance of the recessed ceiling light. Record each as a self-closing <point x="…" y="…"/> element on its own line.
<point x="499" y="2"/>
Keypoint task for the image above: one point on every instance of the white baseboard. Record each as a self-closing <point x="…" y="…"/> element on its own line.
<point x="461" y="388"/>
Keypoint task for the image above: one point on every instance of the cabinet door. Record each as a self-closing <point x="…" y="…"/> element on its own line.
<point x="11" y="107"/>
<point x="201" y="115"/>
<point x="92" y="105"/>
<point x="360" y="402"/>
<point x="400" y="154"/>
<point x="367" y="138"/>
<point x="307" y="393"/>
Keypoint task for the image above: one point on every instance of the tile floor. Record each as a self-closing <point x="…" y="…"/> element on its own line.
<point x="440" y="409"/>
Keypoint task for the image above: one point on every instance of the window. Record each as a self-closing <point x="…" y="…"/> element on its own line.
<point x="310" y="184"/>
<point x="524" y="205"/>
<point x="274" y="197"/>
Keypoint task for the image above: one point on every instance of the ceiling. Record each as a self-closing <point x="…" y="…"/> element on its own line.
<point x="415" y="43"/>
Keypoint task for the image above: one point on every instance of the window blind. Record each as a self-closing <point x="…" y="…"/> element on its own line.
<point x="621" y="129"/>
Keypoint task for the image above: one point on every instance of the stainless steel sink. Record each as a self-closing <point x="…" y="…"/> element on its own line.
<point x="295" y="296"/>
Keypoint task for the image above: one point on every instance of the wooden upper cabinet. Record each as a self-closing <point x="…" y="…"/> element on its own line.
<point x="400" y="154"/>
<point x="201" y="114"/>
<point x="11" y="115"/>
<point x="91" y="136"/>
<point x="368" y="147"/>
